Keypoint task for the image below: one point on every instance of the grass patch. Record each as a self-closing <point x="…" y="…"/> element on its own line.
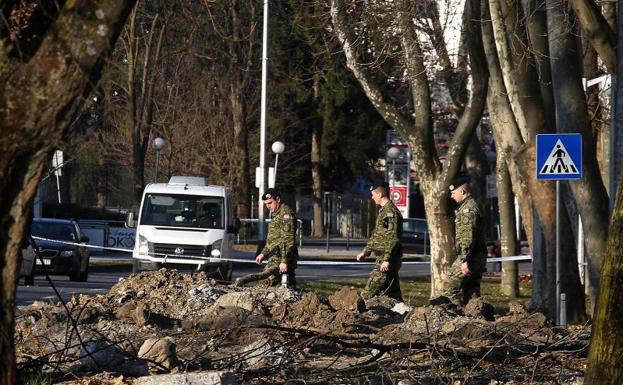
<point x="416" y="291"/>
<point x="252" y="248"/>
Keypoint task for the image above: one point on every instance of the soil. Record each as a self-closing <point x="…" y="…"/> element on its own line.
<point x="278" y="336"/>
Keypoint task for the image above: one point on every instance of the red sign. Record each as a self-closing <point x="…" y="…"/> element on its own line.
<point x="398" y="195"/>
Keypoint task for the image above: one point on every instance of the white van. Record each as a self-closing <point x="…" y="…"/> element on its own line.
<point x="185" y="223"/>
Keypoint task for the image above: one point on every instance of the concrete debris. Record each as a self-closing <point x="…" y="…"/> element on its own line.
<point x="167" y="321"/>
<point x="206" y="293"/>
<point x="161" y="354"/>
<point x="198" y="378"/>
<point x="401" y="308"/>
<point x="99" y="355"/>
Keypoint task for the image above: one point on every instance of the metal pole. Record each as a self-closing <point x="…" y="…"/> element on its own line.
<point x="260" y="207"/>
<point x="348" y="229"/>
<point x="558" y="252"/>
<point x="58" y="187"/>
<point x="327" y="222"/>
<point x="393" y="177"/>
<point x="275" y="172"/>
<point x="563" y="310"/>
<point x="157" y="163"/>
<point x="581" y="255"/>
<point x="518" y="221"/>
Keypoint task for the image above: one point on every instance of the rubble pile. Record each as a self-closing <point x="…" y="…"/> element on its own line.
<point x="165" y="323"/>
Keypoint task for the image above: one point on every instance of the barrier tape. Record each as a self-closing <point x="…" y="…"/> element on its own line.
<point x="299" y="262"/>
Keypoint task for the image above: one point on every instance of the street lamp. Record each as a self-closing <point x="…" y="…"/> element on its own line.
<point x="262" y="168"/>
<point x="393" y="153"/>
<point x="278" y="148"/>
<point x="158" y="145"/>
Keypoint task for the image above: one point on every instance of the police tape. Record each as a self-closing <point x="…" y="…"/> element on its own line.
<point x="239" y="260"/>
<point x="84" y="245"/>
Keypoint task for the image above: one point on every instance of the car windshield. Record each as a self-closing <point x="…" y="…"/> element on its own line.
<point x="414" y="225"/>
<point x="57" y="231"/>
<point x="183" y="211"/>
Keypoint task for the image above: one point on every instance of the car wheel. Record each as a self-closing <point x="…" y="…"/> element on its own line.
<point x="74" y="276"/>
<point x="226" y="269"/>
<point x="84" y="275"/>
<point x="29" y="280"/>
<point x="136" y="266"/>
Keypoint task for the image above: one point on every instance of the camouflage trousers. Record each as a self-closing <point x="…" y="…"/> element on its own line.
<point x="460" y="288"/>
<point x="275" y="279"/>
<point x="380" y="283"/>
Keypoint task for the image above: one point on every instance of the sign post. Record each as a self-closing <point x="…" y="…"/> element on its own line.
<point x="558" y="157"/>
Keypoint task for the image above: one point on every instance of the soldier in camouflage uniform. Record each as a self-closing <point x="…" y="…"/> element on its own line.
<point x="385" y="244"/>
<point x="281" y="240"/>
<point x="463" y="278"/>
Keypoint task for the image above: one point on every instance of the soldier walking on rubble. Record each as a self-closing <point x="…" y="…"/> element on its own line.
<point x="463" y="279"/>
<point x="280" y="242"/>
<point x="385" y="244"/>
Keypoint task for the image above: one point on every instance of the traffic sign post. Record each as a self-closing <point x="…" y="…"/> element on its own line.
<point x="558" y="157"/>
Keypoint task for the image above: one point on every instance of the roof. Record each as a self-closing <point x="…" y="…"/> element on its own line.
<point x="166" y="188"/>
<point x="53" y="220"/>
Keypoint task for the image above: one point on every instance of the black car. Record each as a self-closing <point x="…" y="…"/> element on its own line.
<point x="415" y="239"/>
<point x="58" y="243"/>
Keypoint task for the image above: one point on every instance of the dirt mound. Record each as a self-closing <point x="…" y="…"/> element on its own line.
<point x="272" y="332"/>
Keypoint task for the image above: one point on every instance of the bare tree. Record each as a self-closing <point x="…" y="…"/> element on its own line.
<point x="51" y="60"/>
<point x="416" y="126"/>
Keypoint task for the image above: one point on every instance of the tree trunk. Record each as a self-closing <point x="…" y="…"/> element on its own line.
<point x="596" y="29"/>
<point x="605" y="362"/>
<point x="241" y="166"/>
<point x="141" y="81"/>
<point x="418" y="132"/>
<point x="61" y="73"/>
<point x="571" y="116"/>
<point x="239" y="116"/>
<point x="509" y="286"/>
<point x="536" y="23"/>
<point x="542" y="194"/>
<point x="17" y="205"/>
<point x="318" y="230"/>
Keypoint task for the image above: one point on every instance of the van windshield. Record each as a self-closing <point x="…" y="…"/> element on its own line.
<point x="183" y="211"/>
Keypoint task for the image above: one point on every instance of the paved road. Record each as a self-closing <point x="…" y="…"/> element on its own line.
<point x="102" y="279"/>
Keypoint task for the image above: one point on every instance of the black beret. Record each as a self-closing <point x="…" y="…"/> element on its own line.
<point x="384" y="185"/>
<point x="271" y="193"/>
<point x="459" y="181"/>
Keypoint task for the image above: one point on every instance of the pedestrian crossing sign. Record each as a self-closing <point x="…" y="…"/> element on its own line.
<point x="559" y="156"/>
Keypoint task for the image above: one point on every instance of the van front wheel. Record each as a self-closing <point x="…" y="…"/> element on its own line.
<point x="226" y="270"/>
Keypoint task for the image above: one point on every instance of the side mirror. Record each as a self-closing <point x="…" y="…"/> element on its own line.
<point x="234" y="227"/>
<point x="83" y="238"/>
<point x="129" y="219"/>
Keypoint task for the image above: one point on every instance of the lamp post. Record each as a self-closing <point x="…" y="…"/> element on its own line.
<point x="393" y="153"/>
<point x="262" y="168"/>
<point x="158" y="145"/>
<point x="278" y="148"/>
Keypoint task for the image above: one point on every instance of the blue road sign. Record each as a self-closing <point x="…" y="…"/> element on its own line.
<point x="559" y="156"/>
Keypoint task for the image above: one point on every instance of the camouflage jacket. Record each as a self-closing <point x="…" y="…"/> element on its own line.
<point x="469" y="240"/>
<point x="281" y="238"/>
<point x="385" y="240"/>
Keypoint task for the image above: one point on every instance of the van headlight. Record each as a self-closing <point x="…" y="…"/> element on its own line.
<point x="216" y="249"/>
<point x="143" y="245"/>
